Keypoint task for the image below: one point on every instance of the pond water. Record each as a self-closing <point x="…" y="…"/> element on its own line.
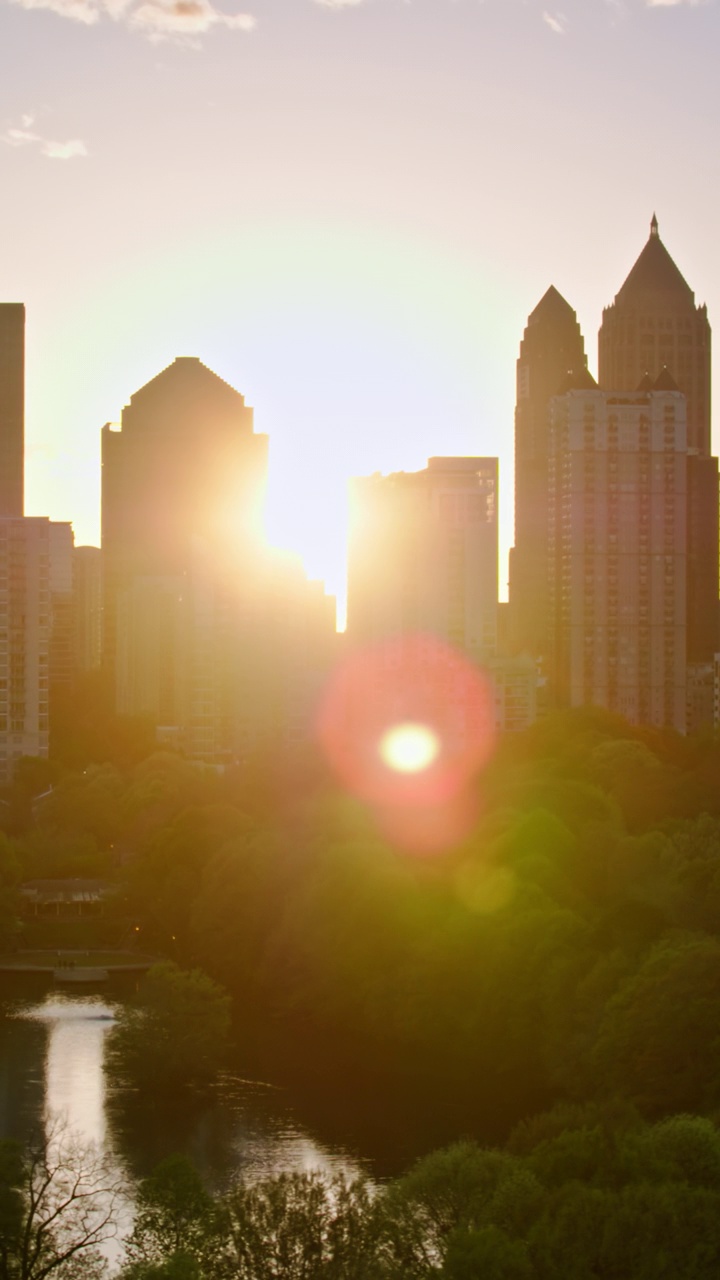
<point x="51" y="1072"/>
<point x="51" y="1065"/>
<point x="269" y="1115"/>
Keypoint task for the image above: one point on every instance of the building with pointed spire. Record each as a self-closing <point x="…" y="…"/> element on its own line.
<point x="654" y="324"/>
<point x="654" y="328"/>
<point x="614" y="575"/>
<point x="552" y="347"/>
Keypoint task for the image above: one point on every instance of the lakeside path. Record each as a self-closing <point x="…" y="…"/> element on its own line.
<point x="68" y="961"/>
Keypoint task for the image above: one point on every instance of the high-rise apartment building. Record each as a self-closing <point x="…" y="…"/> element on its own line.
<point x="35" y="631"/>
<point x="652" y="325"/>
<point x="653" y="340"/>
<point x="551" y="349"/>
<point x="12" y="407"/>
<point x="618" y="556"/>
<point x="424" y="555"/>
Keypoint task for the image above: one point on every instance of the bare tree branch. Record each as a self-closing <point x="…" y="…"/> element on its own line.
<point x="68" y="1201"/>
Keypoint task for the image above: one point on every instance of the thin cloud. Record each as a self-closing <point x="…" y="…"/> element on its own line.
<point x="556" y="22"/>
<point x="338" y="4"/>
<point x="64" y="150"/>
<point x="26" y="136"/>
<point x="158" y="19"/>
<point x="155" y="19"/>
<point x="667" y="4"/>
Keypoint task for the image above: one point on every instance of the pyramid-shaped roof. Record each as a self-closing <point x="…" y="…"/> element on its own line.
<point x="655" y="272"/>
<point x="184" y="370"/>
<point x="551" y="303"/>
<point x="665" y="381"/>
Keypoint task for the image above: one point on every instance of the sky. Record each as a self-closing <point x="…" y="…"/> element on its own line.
<point x="346" y="208"/>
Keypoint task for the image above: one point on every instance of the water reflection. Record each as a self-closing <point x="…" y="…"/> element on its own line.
<point x="242" y="1128"/>
<point x="74" y="1078"/>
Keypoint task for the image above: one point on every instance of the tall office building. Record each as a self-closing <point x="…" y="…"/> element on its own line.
<point x="652" y="325"/>
<point x="552" y="347"/>
<point x="184" y="471"/>
<point x="204" y="634"/>
<point x="12" y="407"/>
<point x="183" y="484"/>
<point x="617" y="507"/>
<point x="424" y="555"/>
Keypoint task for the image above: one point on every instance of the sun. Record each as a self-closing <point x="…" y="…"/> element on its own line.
<point x="409" y="747"/>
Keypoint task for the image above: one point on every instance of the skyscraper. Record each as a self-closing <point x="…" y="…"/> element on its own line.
<point x="652" y="325"/>
<point x="206" y="633"/>
<point x="585" y="590"/>
<point x="183" y="484"/>
<point x="12" y="407"/>
<point x="183" y="478"/>
<point x="424" y="555"/>
<point x="617" y="507"/>
<point x="552" y="347"/>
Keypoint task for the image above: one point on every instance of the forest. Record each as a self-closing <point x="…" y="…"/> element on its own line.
<point x="559" y="972"/>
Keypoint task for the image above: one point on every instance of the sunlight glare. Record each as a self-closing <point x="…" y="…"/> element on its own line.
<point x="409" y="747"/>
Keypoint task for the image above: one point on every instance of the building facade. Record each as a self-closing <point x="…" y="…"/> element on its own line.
<point x="552" y="347"/>
<point x="655" y="325"/>
<point x="87" y="608"/>
<point x="653" y="341"/>
<point x="205" y="634"/>
<point x="618" y="553"/>
<point x="184" y="470"/>
<point x="423" y="555"/>
<point x="35" y="632"/>
<point x="12" y="408"/>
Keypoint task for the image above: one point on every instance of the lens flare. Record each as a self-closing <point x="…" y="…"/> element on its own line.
<point x="407" y="725"/>
<point x="409" y="747"/>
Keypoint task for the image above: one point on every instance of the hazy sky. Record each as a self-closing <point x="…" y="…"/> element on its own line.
<point x="346" y="209"/>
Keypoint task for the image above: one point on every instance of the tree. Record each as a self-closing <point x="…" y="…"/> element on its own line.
<point x="177" y="1031"/>
<point x="303" y="1226"/>
<point x="59" y="1201"/>
<point x="177" y="1231"/>
<point x="658" y="1043"/>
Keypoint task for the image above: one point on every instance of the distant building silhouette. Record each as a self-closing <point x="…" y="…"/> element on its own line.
<point x="183" y="485"/>
<point x="424" y="554"/>
<point x="184" y="469"/>
<point x="580" y="547"/>
<point x="36" y="656"/>
<point x="193" y="637"/>
<point x="654" y="325"/>
<point x="423" y="558"/>
<point x="552" y="347"/>
<point x="12" y="408"/>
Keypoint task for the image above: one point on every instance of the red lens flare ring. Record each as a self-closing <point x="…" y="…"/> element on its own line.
<point x="407" y="722"/>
